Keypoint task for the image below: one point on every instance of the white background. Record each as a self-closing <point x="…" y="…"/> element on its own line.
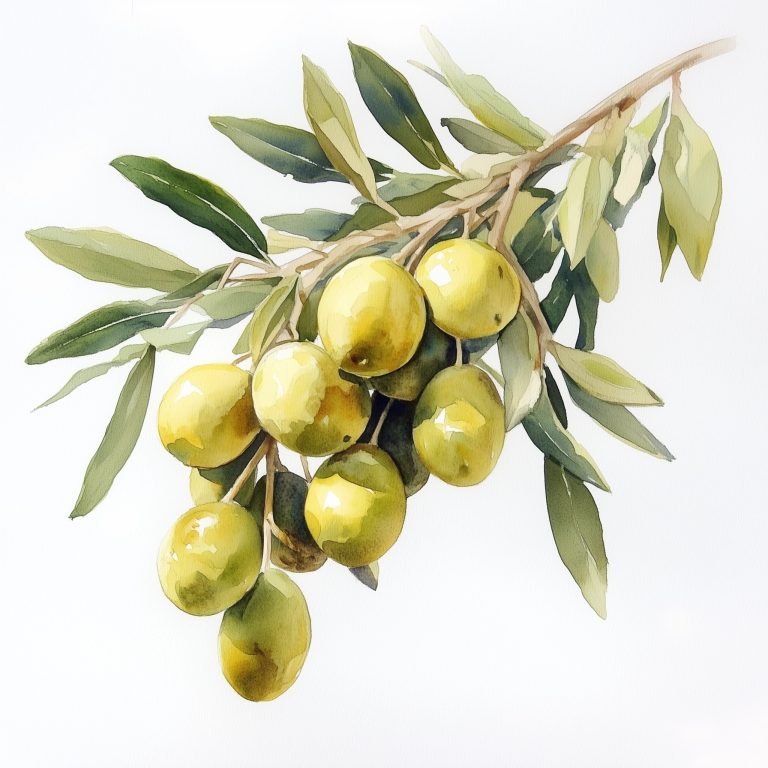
<point x="477" y="648"/>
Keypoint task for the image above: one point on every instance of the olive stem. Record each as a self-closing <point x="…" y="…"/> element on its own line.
<point x="305" y="467"/>
<point x="249" y="469"/>
<point x="377" y="431"/>
<point x="269" y="498"/>
<point x="459" y="353"/>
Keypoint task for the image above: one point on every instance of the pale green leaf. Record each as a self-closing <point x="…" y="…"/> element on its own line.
<point x="111" y="257"/>
<point x="236" y="300"/>
<point x="602" y="377"/>
<point x="602" y="261"/>
<point x="691" y="186"/>
<point x="484" y="101"/>
<point x="582" y="204"/>
<point x="617" y="420"/>
<point x="525" y="204"/>
<point x="331" y="122"/>
<point x="477" y="138"/>
<point x="271" y="316"/>
<point x="578" y="533"/>
<point x="120" y="437"/>
<point x="125" y="355"/>
<point x="667" y="239"/>
<point x="519" y="355"/>
<point x="314" y="224"/>
<point x="180" y="339"/>
<point x="547" y="433"/>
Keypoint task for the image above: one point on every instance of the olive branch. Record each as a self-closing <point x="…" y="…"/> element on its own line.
<point x="494" y="196"/>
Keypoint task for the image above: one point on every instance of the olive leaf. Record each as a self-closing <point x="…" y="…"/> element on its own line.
<point x="101" y="329"/>
<point x="484" y="101"/>
<point x="519" y="354"/>
<point x="667" y="239"/>
<point x="477" y="138"/>
<point x="367" y="574"/>
<point x="205" y="280"/>
<point x="548" y="434"/>
<point x="602" y="377"/>
<point x="578" y="533"/>
<point x="271" y="316"/>
<point x="587" y="306"/>
<point x="602" y="261"/>
<point x="282" y="242"/>
<point x="392" y="102"/>
<point x="537" y="245"/>
<point x="120" y="437"/>
<point x="691" y="186"/>
<point x="291" y="151"/>
<point x="581" y="207"/>
<point x="236" y="300"/>
<point x="197" y="200"/>
<point x="618" y="420"/>
<point x="315" y="223"/>
<point x="125" y="355"/>
<point x="555" y="304"/>
<point x="555" y="397"/>
<point x="180" y="339"/>
<point x="635" y="165"/>
<point x="107" y="256"/>
<point x="331" y="122"/>
<point x="527" y="202"/>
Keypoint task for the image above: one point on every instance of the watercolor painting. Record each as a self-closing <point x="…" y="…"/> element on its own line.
<point x="309" y="386"/>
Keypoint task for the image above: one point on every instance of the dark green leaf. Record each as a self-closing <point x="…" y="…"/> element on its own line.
<point x="552" y="439"/>
<point x="101" y="329"/>
<point x="315" y="223"/>
<point x="291" y="151"/>
<point x="120" y="437"/>
<point x="111" y="257"/>
<point x="553" y="393"/>
<point x="555" y="160"/>
<point x="618" y="420"/>
<point x="126" y="354"/>
<point x="555" y="304"/>
<point x="197" y="200"/>
<point x="667" y="239"/>
<point x="394" y="105"/>
<point x="206" y="280"/>
<point x="477" y="138"/>
<point x="587" y="304"/>
<point x="578" y="533"/>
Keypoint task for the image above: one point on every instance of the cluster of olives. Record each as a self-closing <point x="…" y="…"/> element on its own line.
<point x="381" y="329"/>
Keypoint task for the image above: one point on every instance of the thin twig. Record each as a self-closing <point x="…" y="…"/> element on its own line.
<point x="377" y="431"/>
<point x="249" y="469"/>
<point x="305" y="467"/>
<point x="269" y="498"/>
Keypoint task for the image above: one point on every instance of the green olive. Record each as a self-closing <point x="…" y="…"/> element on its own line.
<point x="210" y="558"/>
<point x="355" y="507"/>
<point x="458" y="425"/>
<point x="264" y="639"/>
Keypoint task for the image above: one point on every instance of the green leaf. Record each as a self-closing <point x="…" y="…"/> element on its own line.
<point x="602" y="377"/>
<point x="315" y="224"/>
<point x="331" y="122"/>
<point x="617" y="420"/>
<point x="206" y="280"/>
<point x="560" y="156"/>
<point x="197" y="200"/>
<point x="519" y="354"/>
<point x="526" y="203"/>
<point x="536" y="245"/>
<point x="394" y="105"/>
<point x="553" y="440"/>
<point x="367" y="574"/>
<point x="120" y="437"/>
<point x="111" y="257"/>
<point x="691" y="186"/>
<point x="587" y="306"/>
<point x="484" y="101"/>
<point x="125" y="355"/>
<point x="578" y="533"/>
<point x="271" y="316"/>
<point x="180" y="339"/>
<point x="291" y="151"/>
<point x="477" y="138"/>
<point x="666" y="237"/>
<point x="582" y="204"/>
<point x="602" y="261"/>
<point x="555" y="304"/>
<point x="236" y="300"/>
<point x="635" y="166"/>
<point x="101" y="329"/>
<point x="553" y="393"/>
